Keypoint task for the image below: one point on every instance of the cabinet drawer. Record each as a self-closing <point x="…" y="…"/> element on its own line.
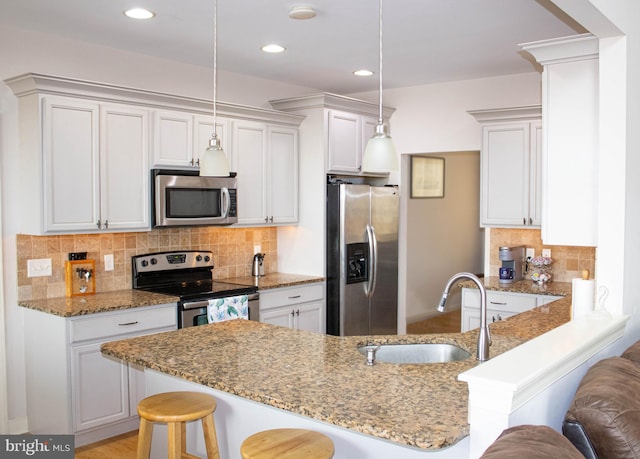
<point x="499" y="301"/>
<point x="291" y="295"/>
<point x="110" y="324"/>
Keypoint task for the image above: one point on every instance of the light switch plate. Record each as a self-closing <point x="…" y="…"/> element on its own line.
<point x="108" y="262"/>
<point x="530" y="253"/>
<point x="546" y="253"/>
<point x="39" y="267"/>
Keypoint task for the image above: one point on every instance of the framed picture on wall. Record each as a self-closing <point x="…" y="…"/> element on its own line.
<point x="427" y="177"/>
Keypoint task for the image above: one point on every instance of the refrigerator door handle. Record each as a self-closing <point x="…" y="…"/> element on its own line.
<point x="370" y="287"/>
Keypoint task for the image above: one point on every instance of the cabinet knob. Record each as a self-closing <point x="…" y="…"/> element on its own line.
<point x="266" y="219"/>
<point x="98" y="224"/>
<point x="297" y="312"/>
<point x="524" y="220"/>
<point x="197" y="162"/>
<point x="271" y="219"/>
<point x="106" y="224"/>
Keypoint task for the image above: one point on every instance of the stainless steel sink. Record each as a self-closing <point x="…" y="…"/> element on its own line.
<point x="417" y="353"/>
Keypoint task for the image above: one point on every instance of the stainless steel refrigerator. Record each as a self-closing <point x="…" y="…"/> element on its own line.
<point x="362" y="259"/>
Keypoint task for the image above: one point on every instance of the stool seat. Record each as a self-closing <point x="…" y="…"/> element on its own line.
<point x="176" y="409"/>
<point x="287" y="444"/>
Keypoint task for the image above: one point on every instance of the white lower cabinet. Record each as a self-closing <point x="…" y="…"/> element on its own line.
<point x="72" y="388"/>
<point x="500" y="305"/>
<point x="299" y="307"/>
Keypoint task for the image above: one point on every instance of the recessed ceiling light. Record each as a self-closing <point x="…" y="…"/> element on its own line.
<point x="139" y="13"/>
<point x="302" y="12"/>
<point x="363" y="72"/>
<point x="273" y="48"/>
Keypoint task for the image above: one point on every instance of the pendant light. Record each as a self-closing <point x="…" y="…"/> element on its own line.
<point x="213" y="161"/>
<point x="380" y="155"/>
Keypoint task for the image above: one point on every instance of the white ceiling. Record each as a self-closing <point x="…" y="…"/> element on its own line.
<point x="425" y="41"/>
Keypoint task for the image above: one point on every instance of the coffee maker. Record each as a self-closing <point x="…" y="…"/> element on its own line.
<point x="512" y="268"/>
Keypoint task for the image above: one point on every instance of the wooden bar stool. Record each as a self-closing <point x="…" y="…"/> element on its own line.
<point x="287" y="444"/>
<point x="176" y="409"/>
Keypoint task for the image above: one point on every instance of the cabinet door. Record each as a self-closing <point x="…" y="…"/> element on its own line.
<point x="283" y="175"/>
<point x="471" y="318"/>
<point x="203" y="126"/>
<point x="310" y="317"/>
<point x="71" y="170"/>
<point x="249" y="161"/>
<point x="344" y="143"/>
<point x="278" y="316"/>
<point x="173" y="139"/>
<point x="535" y="173"/>
<point x="504" y="195"/>
<point x="124" y="171"/>
<point x="99" y="387"/>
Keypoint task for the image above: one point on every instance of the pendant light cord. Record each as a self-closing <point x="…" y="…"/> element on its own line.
<point x="215" y="61"/>
<point x="380" y="61"/>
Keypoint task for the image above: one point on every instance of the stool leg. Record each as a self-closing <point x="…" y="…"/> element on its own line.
<point x="144" y="439"/>
<point x="183" y="437"/>
<point x="174" y="431"/>
<point x="210" y="438"/>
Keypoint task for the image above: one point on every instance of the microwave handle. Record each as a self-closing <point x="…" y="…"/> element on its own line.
<point x="226" y="202"/>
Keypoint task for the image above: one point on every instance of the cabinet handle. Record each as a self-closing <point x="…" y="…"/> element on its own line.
<point x="127" y="324"/>
<point x="497" y="302"/>
<point x="524" y="221"/>
<point x="266" y="219"/>
<point x="271" y="219"/>
<point x="530" y="221"/>
<point x="297" y="312"/>
<point x="106" y="224"/>
<point x="294" y="297"/>
<point x="292" y="313"/>
<point x="197" y="162"/>
<point x="98" y="224"/>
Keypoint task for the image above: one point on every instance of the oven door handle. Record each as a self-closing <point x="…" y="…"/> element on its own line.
<point x="205" y="303"/>
<point x="195" y="304"/>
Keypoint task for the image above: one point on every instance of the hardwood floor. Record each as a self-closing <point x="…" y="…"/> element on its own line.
<point x="448" y="322"/>
<point x="120" y="447"/>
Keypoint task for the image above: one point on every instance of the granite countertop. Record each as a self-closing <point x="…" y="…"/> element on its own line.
<point x="98" y="302"/>
<point x="127" y="299"/>
<point x="275" y="280"/>
<point x="423" y="406"/>
<point x="523" y="286"/>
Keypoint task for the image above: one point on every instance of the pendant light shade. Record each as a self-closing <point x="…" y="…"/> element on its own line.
<point x="213" y="161"/>
<point x="380" y="155"/>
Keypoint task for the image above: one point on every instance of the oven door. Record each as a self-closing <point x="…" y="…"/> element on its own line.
<point x="194" y="313"/>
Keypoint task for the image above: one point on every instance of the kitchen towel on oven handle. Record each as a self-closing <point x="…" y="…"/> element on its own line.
<point x="233" y="307"/>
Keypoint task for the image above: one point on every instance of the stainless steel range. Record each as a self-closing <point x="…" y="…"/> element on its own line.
<point x="188" y="275"/>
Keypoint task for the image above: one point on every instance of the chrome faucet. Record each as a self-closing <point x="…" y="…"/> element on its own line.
<point x="484" y="337"/>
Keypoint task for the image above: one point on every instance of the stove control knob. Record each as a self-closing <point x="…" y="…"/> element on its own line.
<point x="145" y="263"/>
<point x="207" y="258"/>
<point x="198" y="257"/>
<point x="154" y="261"/>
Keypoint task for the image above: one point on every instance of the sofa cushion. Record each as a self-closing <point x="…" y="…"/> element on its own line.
<point x="531" y="442"/>
<point x="607" y="405"/>
<point x="633" y="353"/>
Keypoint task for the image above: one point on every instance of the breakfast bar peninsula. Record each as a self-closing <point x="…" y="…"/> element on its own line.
<point x="266" y="376"/>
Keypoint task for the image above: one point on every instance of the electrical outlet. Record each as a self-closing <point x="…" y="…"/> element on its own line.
<point x="39" y="267"/>
<point x="546" y="253"/>
<point x="108" y="262"/>
<point x="530" y="253"/>
<point x="257" y="249"/>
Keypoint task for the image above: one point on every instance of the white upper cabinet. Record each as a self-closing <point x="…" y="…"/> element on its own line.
<point x="95" y="173"/>
<point x="84" y="154"/>
<point x="340" y="126"/>
<point x="181" y="137"/>
<point x="266" y="160"/>
<point x="570" y="139"/>
<point x="510" y="180"/>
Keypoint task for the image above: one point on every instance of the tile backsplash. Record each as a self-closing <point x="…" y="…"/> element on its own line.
<point x="568" y="261"/>
<point x="232" y="254"/>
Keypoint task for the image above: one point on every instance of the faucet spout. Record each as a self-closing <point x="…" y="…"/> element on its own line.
<point x="484" y="336"/>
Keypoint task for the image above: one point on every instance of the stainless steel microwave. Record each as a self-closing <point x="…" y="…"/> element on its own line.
<point x="183" y="198"/>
